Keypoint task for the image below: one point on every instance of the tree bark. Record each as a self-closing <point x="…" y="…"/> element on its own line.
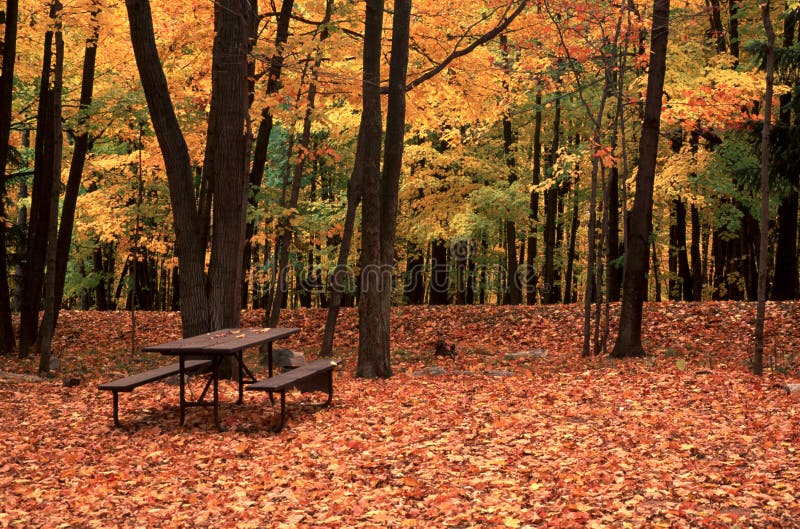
<point x="372" y="326"/>
<point x="763" y="253"/>
<point x="532" y="275"/>
<point x="40" y="198"/>
<point x="513" y="291"/>
<point x="6" y="86"/>
<point x="191" y="256"/>
<point x="55" y="143"/>
<point x="551" y="294"/>
<point x="80" y="150"/>
<point x="697" y="260"/>
<point x="227" y="122"/>
<point x="785" y="283"/>
<point x="629" y="340"/>
<point x="374" y="357"/>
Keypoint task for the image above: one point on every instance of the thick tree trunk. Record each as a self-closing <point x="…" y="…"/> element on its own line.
<point x="374" y="354"/>
<point x="372" y="325"/>
<point x="6" y="85"/>
<point x="439" y="285"/>
<point x="785" y="283"/>
<point x="191" y="256"/>
<point x="629" y="340"/>
<point x="226" y="137"/>
<point x="697" y="260"/>
<point x="80" y="150"/>
<point x="40" y="199"/>
<point x="55" y="142"/>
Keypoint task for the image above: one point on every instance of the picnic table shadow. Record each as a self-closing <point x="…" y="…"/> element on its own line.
<point x="256" y="415"/>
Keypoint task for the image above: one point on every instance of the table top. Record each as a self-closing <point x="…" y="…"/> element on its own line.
<point x="223" y="341"/>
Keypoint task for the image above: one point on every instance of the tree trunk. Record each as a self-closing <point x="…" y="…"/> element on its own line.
<point x="439" y="284"/>
<point x="40" y="199"/>
<point x="551" y="294"/>
<point x="532" y="275"/>
<point x="680" y="279"/>
<point x="372" y="326"/>
<point x="758" y="354"/>
<point x="6" y="85"/>
<point x="374" y="354"/>
<point x="613" y="248"/>
<point x="191" y="255"/>
<point x="513" y="292"/>
<point x="569" y="290"/>
<point x="785" y="283"/>
<point x="629" y="340"/>
<point x="55" y="142"/>
<point x="414" y="288"/>
<point x="227" y="121"/>
<point x="80" y="150"/>
<point x="697" y="260"/>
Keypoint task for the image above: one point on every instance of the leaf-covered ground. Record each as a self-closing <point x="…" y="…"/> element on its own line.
<point x="683" y="438"/>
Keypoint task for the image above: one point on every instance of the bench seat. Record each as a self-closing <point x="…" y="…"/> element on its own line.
<point x="310" y="377"/>
<point x="129" y="383"/>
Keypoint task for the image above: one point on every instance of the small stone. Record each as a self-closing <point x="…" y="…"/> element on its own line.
<point x="792" y="388"/>
<point x="524" y="355"/>
<point x="430" y="371"/>
<point x="498" y="373"/>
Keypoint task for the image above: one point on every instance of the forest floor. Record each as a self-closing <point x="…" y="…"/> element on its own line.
<point x="685" y="437"/>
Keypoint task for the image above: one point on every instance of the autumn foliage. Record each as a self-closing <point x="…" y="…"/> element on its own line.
<point x="683" y="438"/>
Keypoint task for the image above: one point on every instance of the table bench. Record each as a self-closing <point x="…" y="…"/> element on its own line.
<point x="310" y="377"/>
<point x="131" y="382"/>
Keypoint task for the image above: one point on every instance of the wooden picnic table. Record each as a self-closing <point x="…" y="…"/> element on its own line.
<point x="216" y="346"/>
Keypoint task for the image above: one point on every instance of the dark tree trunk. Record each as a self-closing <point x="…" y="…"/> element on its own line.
<point x="629" y="340"/>
<point x="532" y="275"/>
<point x="80" y="150"/>
<point x="55" y="142"/>
<point x="439" y="285"/>
<point x="680" y="279"/>
<point x="550" y="292"/>
<point x="512" y="294"/>
<point x="371" y="342"/>
<point x="191" y="255"/>
<point x="785" y="283"/>
<point x="227" y="122"/>
<point x="758" y="354"/>
<point x="613" y="247"/>
<point x="414" y="288"/>
<point x="40" y="198"/>
<point x="380" y="192"/>
<point x="697" y="260"/>
<point x="6" y="85"/>
<point x="570" y="294"/>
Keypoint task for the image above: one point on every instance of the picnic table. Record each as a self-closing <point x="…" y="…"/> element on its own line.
<point x="216" y="346"/>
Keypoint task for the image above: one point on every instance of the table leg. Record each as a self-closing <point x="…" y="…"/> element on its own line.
<point x="182" y="391"/>
<point x="269" y="371"/>
<point x="240" y="360"/>
<point x="215" y="375"/>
